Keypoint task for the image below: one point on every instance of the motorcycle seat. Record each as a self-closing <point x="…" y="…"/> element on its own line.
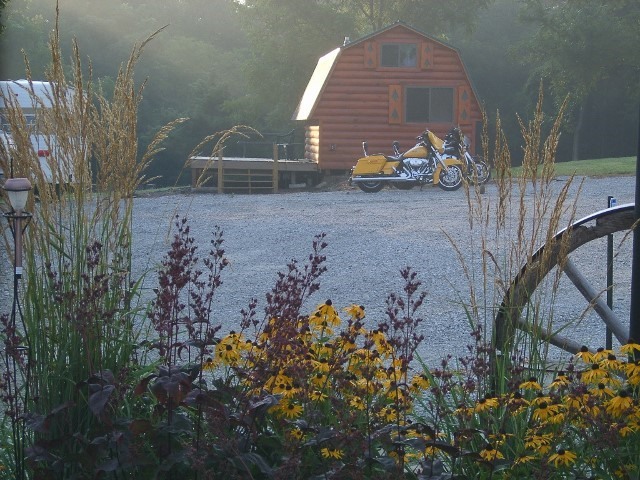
<point x="393" y="158"/>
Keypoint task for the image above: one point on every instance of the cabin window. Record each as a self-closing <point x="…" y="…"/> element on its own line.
<point x="398" y="55"/>
<point x="428" y="105"/>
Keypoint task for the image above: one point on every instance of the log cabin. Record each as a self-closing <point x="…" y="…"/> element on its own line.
<point x="387" y="86"/>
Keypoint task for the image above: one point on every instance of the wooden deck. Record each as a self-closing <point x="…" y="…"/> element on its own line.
<point x="250" y="175"/>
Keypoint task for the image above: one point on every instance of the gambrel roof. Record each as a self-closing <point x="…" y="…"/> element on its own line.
<point x="326" y="64"/>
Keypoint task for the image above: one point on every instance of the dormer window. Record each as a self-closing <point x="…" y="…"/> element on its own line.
<point x="399" y="55"/>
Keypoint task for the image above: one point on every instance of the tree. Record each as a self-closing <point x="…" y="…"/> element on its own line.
<point x="582" y="48"/>
<point x="432" y="16"/>
<point x="286" y="38"/>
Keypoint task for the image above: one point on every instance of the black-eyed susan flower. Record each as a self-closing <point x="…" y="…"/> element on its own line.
<point x="317" y="395"/>
<point x="601" y="391"/>
<point x="625" y="429"/>
<point x="631" y="348"/>
<point x="296" y="433"/>
<point x="594" y="374"/>
<point x="632" y="368"/>
<point x="585" y="355"/>
<point x="611" y="363"/>
<point x="332" y="453"/>
<point x="517" y="403"/>
<point x="619" y="404"/>
<point x="356" y="312"/>
<point x="531" y="384"/>
<point x="325" y="316"/>
<point x="601" y="354"/>
<point x="486" y="404"/>
<point x="227" y="353"/>
<point x="523" y="459"/>
<point x="562" y="458"/>
<point x="545" y="410"/>
<point x="540" y="443"/>
<point x="357" y="403"/>
<point x="208" y="364"/>
<point x="291" y="409"/>
<point x="561" y="381"/>
<point x="390" y="414"/>
<point x="490" y="453"/>
<point x="420" y="383"/>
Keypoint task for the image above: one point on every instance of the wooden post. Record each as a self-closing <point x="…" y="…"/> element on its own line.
<point x="220" y="172"/>
<point x="275" y="168"/>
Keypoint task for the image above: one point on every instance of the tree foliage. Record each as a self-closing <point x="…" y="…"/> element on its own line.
<point x="585" y="50"/>
<point x="225" y="62"/>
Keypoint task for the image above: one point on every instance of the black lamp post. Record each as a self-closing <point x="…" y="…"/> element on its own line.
<point x="16" y="339"/>
<point x="634" y="320"/>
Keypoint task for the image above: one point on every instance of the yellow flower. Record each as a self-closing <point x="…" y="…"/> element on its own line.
<point x="630" y="348"/>
<point x="625" y="471"/>
<point x="490" y="453"/>
<point x="625" y="429"/>
<point x="296" y="433"/>
<point x="522" y="459"/>
<point x="325" y="316"/>
<point x="611" y="363"/>
<point x="389" y="414"/>
<point x="485" y="404"/>
<point x="601" y="354"/>
<point x="291" y="409"/>
<point x="227" y="353"/>
<point x="420" y="383"/>
<point x="594" y="374"/>
<point x="317" y="395"/>
<point x="319" y="379"/>
<point x="601" y="391"/>
<point x="539" y="443"/>
<point x="356" y="312"/>
<point x="561" y="457"/>
<point x="357" y="403"/>
<point x="531" y="384"/>
<point x="585" y="355"/>
<point x="278" y="382"/>
<point x="632" y="368"/>
<point x="208" y="364"/>
<point x="545" y="411"/>
<point x="332" y="453"/>
<point x="619" y="404"/>
<point x="560" y="381"/>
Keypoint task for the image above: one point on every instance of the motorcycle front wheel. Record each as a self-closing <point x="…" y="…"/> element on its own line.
<point x="451" y="179"/>
<point x="371" y="187"/>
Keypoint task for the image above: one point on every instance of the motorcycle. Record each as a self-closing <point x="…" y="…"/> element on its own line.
<point x="419" y="165"/>
<point x="456" y="145"/>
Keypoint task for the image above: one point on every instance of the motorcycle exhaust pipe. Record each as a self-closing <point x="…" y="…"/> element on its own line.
<point x="361" y="179"/>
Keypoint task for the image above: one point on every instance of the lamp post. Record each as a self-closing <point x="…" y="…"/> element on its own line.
<point x="18" y="192"/>
<point x="16" y="340"/>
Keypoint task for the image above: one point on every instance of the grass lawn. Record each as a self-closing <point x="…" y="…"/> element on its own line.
<point x="597" y="167"/>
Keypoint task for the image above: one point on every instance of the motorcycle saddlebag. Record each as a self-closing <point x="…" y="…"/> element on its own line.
<point x="369" y="165"/>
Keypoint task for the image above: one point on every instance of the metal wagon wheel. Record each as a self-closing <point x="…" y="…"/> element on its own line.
<point x="590" y="228"/>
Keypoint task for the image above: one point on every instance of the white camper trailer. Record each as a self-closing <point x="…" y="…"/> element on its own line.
<point x="32" y="97"/>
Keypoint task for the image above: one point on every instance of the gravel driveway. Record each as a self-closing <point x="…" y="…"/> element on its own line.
<point x="371" y="237"/>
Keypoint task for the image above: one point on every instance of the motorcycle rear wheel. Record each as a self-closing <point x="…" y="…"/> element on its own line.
<point x="373" y="186"/>
<point x="451" y="179"/>
<point x="482" y="172"/>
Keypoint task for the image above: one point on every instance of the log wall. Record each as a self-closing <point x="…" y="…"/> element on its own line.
<point x="363" y="101"/>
